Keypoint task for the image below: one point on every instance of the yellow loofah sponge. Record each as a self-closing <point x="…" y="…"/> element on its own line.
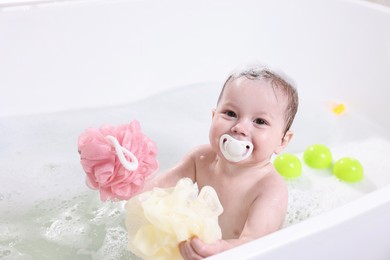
<point x="158" y="220"/>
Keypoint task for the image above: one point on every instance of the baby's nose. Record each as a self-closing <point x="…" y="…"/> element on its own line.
<point x="241" y="128"/>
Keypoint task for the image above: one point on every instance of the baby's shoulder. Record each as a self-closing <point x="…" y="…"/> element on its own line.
<point x="203" y="154"/>
<point x="269" y="180"/>
<point x="202" y="150"/>
<point x="272" y="182"/>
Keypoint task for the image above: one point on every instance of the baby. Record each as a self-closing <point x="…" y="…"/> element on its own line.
<point x="251" y="122"/>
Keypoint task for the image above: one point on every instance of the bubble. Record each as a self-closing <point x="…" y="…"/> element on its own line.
<point x="4" y="253"/>
<point x="348" y="169"/>
<point x="302" y="204"/>
<point x="115" y="245"/>
<point x="288" y="165"/>
<point x="318" y="156"/>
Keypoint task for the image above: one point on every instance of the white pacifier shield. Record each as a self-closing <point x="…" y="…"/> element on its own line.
<point x="235" y="150"/>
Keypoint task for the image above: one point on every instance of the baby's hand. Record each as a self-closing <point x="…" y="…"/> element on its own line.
<point x="195" y="249"/>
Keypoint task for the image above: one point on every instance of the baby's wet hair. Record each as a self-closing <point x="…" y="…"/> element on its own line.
<point x="278" y="80"/>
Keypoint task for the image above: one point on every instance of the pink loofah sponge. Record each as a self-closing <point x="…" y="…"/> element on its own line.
<point x="117" y="159"/>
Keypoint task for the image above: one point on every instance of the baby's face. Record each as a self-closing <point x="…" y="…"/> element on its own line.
<point x="250" y="110"/>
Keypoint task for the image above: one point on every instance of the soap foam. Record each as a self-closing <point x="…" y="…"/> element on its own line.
<point x="78" y="228"/>
<point x="317" y="191"/>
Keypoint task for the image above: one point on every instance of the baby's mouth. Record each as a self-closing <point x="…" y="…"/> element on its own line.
<point x="235" y="150"/>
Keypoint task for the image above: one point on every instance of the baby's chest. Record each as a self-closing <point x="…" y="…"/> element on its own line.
<point x="233" y="218"/>
<point x="235" y="205"/>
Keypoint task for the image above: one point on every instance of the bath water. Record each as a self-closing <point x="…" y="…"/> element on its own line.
<point x="47" y="212"/>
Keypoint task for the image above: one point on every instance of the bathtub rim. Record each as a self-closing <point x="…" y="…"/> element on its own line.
<point x="370" y="4"/>
<point x="309" y="227"/>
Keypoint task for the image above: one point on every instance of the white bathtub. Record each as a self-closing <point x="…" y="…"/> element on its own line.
<point x="70" y="65"/>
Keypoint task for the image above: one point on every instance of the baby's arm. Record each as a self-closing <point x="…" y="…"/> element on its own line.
<point x="185" y="168"/>
<point x="268" y="211"/>
<point x="266" y="215"/>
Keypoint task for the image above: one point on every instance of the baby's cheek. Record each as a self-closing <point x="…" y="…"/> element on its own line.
<point x="214" y="137"/>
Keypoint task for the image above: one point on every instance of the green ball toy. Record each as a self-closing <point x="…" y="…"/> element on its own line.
<point x="318" y="156"/>
<point x="348" y="169"/>
<point x="288" y="165"/>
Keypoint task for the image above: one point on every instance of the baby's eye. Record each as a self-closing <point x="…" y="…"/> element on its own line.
<point x="230" y="113"/>
<point x="259" y="121"/>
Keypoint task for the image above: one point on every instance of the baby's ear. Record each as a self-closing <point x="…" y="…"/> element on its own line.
<point x="212" y="113"/>
<point x="284" y="142"/>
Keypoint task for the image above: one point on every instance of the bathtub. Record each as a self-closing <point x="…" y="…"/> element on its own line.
<point x="69" y="65"/>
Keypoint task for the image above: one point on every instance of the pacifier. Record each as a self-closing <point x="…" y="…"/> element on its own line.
<point x="235" y="150"/>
